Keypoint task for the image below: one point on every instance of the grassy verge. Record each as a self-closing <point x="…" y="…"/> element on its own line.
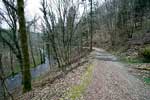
<point x="128" y="59"/>
<point x="78" y="90"/>
<point x="132" y="60"/>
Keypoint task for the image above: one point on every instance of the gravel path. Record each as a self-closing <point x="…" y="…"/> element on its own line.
<point x="112" y="81"/>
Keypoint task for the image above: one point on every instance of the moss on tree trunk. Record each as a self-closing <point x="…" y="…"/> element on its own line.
<point x="24" y="47"/>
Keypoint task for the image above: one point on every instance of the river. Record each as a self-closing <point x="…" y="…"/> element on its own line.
<point x="14" y="82"/>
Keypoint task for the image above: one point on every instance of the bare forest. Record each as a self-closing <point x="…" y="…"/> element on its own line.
<point x="74" y="49"/>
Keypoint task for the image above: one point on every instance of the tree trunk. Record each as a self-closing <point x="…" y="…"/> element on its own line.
<point x="91" y="22"/>
<point x="24" y="46"/>
<point x="11" y="63"/>
<point x="31" y="50"/>
<point x="48" y="53"/>
<point x="3" y="86"/>
<point x="41" y="56"/>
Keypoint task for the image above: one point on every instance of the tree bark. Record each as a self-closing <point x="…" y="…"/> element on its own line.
<point x="24" y="46"/>
<point x="11" y="63"/>
<point x="31" y="50"/>
<point x="91" y="28"/>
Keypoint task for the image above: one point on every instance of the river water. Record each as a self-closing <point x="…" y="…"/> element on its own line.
<point x="15" y="82"/>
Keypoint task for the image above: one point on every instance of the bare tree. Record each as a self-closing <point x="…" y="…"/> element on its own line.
<point x="3" y="86"/>
<point x="10" y="38"/>
<point x="66" y="20"/>
<point x="91" y="22"/>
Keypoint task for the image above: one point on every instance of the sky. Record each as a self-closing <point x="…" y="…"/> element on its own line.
<point x="32" y="9"/>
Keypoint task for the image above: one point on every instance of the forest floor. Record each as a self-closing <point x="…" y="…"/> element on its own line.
<point x="102" y="77"/>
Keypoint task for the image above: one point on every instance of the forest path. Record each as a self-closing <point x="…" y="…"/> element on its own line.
<point x="112" y="81"/>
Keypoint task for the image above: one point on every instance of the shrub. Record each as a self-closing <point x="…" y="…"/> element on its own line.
<point x="145" y="53"/>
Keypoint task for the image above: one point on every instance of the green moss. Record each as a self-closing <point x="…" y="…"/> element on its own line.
<point x="145" y="53"/>
<point x="77" y="91"/>
<point x="147" y="80"/>
<point x="132" y="60"/>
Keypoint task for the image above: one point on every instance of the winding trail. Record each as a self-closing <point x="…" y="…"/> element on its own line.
<point x="112" y="81"/>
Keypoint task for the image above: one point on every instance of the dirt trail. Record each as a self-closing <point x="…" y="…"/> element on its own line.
<point x="112" y="81"/>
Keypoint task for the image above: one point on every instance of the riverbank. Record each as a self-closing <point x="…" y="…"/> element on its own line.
<point x="53" y="85"/>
